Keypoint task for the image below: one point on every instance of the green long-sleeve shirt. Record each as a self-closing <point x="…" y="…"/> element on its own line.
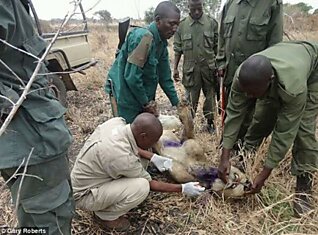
<point x="295" y="65"/>
<point x="197" y="41"/>
<point x="141" y="65"/>
<point x="247" y="27"/>
<point x="39" y="122"/>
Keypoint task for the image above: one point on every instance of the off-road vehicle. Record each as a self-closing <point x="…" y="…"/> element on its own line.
<point x="70" y="52"/>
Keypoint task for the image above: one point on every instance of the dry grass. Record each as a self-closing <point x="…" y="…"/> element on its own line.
<point x="270" y="212"/>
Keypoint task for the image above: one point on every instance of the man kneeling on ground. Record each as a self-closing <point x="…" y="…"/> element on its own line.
<point x="109" y="176"/>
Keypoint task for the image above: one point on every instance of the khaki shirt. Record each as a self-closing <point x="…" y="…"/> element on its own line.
<point x="110" y="153"/>
<point x="296" y="67"/>
<point x="247" y="27"/>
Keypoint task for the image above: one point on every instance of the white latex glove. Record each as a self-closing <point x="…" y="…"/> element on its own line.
<point x="192" y="189"/>
<point x="162" y="163"/>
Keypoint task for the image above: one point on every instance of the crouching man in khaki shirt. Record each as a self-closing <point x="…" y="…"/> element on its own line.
<point x="109" y="176"/>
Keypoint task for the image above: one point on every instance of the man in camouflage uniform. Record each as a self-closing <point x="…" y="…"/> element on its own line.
<point x="38" y="125"/>
<point x="142" y="63"/>
<point x="196" y="39"/>
<point x="246" y="27"/>
<point x="284" y="80"/>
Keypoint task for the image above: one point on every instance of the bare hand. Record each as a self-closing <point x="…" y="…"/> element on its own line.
<point x="221" y="72"/>
<point x="259" y="181"/>
<point x="224" y="165"/>
<point x="151" y="107"/>
<point x="176" y="75"/>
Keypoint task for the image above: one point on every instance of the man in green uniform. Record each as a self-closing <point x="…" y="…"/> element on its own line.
<point x="196" y="39"/>
<point x="246" y="27"/>
<point x="39" y="124"/>
<point x="142" y="63"/>
<point x="286" y="91"/>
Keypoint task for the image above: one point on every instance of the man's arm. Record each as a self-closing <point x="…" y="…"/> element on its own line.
<point x="283" y="136"/>
<point x="165" y="81"/>
<point x="216" y="36"/>
<point x="190" y="189"/>
<point x="145" y="154"/>
<point x="159" y="186"/>
<point x="138" y="55"/>
<point x="236" y="110"/>
<point x="275" y="34"/>
<point x="220" y="58"/>
<point x="6" y="20"/>
<point x="126" y="166"/>
<point x="177" y="47"/>
<point x="176" y="74"/>
<point x="162" y="163"/>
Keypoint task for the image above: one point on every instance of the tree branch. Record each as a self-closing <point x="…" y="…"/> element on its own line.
<point x="18" y="49"/>
<point x="13" y="73"/>
<point x="21" y="182"/>
<point x="6" y="98"/>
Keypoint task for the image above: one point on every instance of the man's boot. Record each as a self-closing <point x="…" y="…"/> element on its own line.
<point x="303" y="198"/>
<point x="120" y="224"/>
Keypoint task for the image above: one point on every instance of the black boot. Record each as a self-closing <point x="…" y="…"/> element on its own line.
<point x="303" y="198"/>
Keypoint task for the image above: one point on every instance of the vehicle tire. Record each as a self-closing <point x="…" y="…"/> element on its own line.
<point x="58" y="88"/>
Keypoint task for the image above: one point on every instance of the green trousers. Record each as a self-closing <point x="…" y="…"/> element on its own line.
<point x="305" y="147"/>
<point x="47" y="202"/>
<point x="203" y="79"/>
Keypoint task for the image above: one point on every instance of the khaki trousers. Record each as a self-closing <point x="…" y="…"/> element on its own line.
<point x="114" y="199"/>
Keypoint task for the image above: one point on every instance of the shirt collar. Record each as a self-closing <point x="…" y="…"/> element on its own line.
<point x="131" y="139"/>
<point x="251" y="2"/>
<point x="201" y="20"/>
<point x="155" y="32"/>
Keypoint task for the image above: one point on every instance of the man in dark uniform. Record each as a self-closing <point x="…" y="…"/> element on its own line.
<point x="45" y="200"/>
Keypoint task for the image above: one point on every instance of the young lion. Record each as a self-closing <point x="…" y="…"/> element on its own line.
<point x="189" y="160"/>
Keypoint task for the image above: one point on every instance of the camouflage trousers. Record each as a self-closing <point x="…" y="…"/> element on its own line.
<point x="305" y="147"/>
<point x="46" y="201"/>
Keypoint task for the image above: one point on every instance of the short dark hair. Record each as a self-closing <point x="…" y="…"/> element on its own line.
<point x="163" y="8"/>
<point x="255" y="69"/>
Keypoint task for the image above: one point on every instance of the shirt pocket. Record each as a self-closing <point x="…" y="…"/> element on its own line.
<point x="35" y="45"/>
<point x="257" y="28"/>
<point x="186" y="42"/>
<point x="228" y="26"/>
<point x="46" y="123"/>
<point x="208" y="38"/>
